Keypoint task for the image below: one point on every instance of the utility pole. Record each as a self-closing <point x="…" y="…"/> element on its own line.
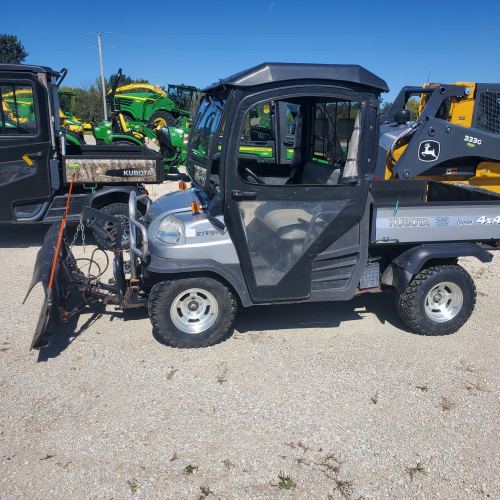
<point x="102" y="78"/>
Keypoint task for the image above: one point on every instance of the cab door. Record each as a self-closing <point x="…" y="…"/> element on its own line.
<point x="25" y="147"/>
<point x="280" y="225"/>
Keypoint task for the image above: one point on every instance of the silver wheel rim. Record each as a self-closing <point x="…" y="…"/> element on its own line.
<point x="444" y="302"/>
<point x="194" y="310"/>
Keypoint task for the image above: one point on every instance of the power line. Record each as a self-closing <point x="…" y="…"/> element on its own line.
<point x="277" y="49"/>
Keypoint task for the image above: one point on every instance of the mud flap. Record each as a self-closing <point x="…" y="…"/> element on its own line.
<point x="58" y="296"/>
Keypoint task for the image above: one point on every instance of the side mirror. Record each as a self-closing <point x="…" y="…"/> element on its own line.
<point x="163" y="135"/>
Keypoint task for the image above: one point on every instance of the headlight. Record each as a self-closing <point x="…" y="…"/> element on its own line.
<point x="171" y="231"/>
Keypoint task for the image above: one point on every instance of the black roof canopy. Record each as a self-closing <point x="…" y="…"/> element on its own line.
<point x="281" y="72"/>
<point x="28" y="67"/>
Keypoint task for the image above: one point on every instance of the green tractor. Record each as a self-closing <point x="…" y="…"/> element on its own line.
<point x="148" y="103"/>
<point x="118" y="131"/>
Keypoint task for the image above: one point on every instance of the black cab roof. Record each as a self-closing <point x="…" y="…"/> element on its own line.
<point x="28" y="67"/>
<point x="276" y="72"/>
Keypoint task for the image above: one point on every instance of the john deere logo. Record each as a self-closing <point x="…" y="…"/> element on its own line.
<point x="429" y="151"/>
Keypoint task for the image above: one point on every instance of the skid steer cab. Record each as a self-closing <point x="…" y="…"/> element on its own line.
<point x="455" y="137"/>
<point x="306" y="228"/>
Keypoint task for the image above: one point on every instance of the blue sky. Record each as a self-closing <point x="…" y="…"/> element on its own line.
<point x="450" y="40"/>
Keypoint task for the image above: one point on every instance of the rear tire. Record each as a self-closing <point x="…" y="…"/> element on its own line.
<point x="162" y="118"/>
<point x="119" y="210"/>
<point x="438" y="300"/>
<point x="191" y="312"/>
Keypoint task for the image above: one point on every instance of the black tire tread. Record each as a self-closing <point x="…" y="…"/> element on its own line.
<point x="405" y="303"/>
<point x="158" y="290"/>
<point x="161" y="113"/>
<point x="106" y="245"/>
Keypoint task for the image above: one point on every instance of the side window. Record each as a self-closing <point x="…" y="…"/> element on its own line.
<point x="18" y="116"/>
<point x="488" y="112"/>
<point x="258" y="125"/>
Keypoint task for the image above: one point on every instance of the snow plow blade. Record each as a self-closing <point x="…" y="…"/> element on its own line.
<point x="53" y="268"/>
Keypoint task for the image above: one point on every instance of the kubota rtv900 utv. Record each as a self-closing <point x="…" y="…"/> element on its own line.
<point x="305" y="230"/>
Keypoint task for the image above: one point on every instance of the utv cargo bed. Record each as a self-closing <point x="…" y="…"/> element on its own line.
<point x="430" y="211"/>
<point x="114" y="164"/>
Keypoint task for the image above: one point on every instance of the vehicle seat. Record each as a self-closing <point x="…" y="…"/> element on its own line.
<point x="287" y="223"/>
<point x="321" y="173"/>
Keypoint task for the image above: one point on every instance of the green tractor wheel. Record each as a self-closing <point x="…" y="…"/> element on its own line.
<point x="162" y="118"/>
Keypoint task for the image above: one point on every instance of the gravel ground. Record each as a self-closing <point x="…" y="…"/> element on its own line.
<point x="338" y="398"/>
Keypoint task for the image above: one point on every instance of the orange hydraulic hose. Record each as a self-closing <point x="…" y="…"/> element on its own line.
<point x="59" y="240"/>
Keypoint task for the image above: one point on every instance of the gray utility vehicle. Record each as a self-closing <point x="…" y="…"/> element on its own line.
<point x="252" y="232"/>
<point x="39" y="158"/>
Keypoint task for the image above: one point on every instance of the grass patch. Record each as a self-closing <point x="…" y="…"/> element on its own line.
<point x="222" y="372"/>
<point x="286" y="482"/>
<point x="446" y="404"/>
<point x="133" y="485"/>
<point x="476" y="385"/>
<point x="420" y="468"/>
<point x="344" y="487"/>
<point x="205" y="491"/>
<point x="228" y="464"/>
<point x="189" y="469"/>
<point x="171" y="373"/>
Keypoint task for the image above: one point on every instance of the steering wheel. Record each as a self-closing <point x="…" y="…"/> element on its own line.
<point x="254" y="176"/>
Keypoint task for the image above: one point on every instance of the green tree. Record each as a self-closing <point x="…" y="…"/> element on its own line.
<point x="11" y="50"/>
<point x="124" y="80"/>
<point x="384" y="106"/>
<point x="413" y="105"/>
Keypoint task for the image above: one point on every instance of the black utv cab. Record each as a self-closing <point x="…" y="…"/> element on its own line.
<point x="38" y="163"/>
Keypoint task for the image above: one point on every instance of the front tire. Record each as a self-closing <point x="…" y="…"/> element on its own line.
<point x="162" y="118"/>
<point x="438" y="300"/>
<point x="191" y="312"/>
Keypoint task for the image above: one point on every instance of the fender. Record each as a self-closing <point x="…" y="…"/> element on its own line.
<point x="231" y="274"/>
<point x="409" y="263"/>
<point x="114" y="191"/>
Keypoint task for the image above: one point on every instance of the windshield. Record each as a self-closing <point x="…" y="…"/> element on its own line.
<point x="205" y="129"/>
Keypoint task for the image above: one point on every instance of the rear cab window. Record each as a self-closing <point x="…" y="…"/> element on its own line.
<point x="18" y="111"/>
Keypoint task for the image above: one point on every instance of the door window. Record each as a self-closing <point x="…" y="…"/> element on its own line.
<point x="320" y="142"/>
<point x="18" y="114"/>
<point x="279" y="232"/>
